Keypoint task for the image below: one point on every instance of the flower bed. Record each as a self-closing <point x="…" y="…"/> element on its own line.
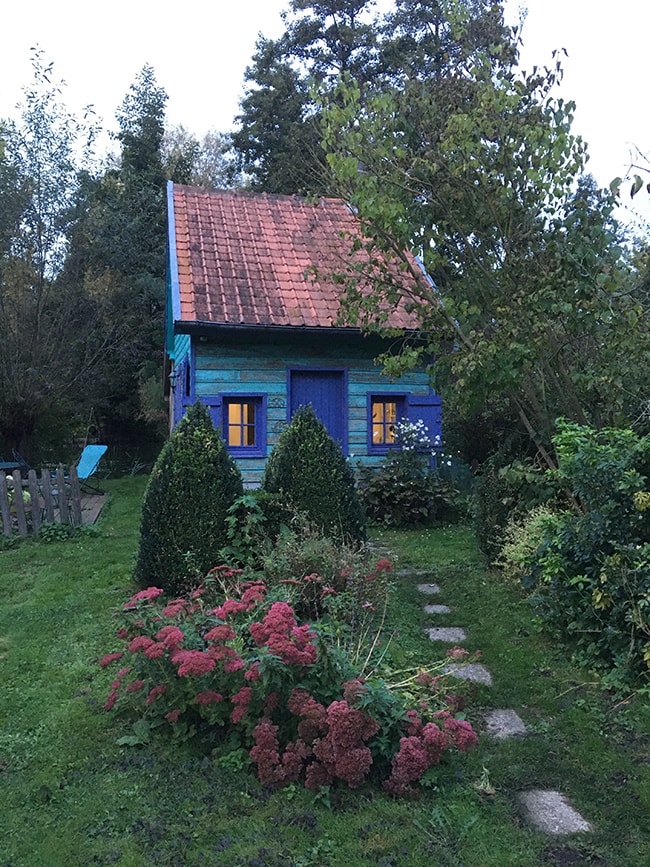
<point x="241" y="666"/>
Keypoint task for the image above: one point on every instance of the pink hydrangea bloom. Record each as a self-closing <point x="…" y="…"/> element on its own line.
<point x="230" y="606"/>
<point x="174" y="607"/>
<point x="110" y="701"/>
<point x="461" y="733"/>
<point x="171" y="636"/>
<point x="173" y="715"/>
<point x="241" y="700"/>
<point x="253" y="672"/>
<point x="408" y="765"/>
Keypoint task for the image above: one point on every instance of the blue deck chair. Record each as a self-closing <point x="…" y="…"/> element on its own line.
<point x="87" y="465"/>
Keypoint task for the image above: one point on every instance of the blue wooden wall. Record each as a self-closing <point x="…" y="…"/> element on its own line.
<point x="249" y="367"/>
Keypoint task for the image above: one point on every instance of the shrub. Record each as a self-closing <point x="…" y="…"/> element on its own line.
<point x="245" y="668"/>
<point x="309" y="473"/>
<point x="193" y="484"/>
<point x="405" y="491"/>
<point x="394" y="495"/>
<point x="522" y="538"/>
<point x="506" y="494"/>
<point x="592" y="568"/>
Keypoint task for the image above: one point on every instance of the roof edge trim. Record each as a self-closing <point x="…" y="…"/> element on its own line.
<point x="173" y="258"/>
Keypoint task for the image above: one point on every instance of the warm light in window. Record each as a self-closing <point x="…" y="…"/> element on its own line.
<point x="241" y="423"/>
<point x="384" y="417"/>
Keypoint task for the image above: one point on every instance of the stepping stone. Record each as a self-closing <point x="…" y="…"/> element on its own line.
<point x="413" y="572"/>
<point x="453" y="634"/>
<point x="378" y="549"/>
<point x="429" y="589"/>
<point x="551" y="812"/>
<point x="437" y="609"/>
<point x="473" y="671"/>
<point x="502" y="724"/>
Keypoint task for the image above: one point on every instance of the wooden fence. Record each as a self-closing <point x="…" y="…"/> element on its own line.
<point x="55" y="496"/>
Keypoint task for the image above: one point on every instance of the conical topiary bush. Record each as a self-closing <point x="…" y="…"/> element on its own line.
<point x="193" y="484"/>
<point x="308" y="471"/>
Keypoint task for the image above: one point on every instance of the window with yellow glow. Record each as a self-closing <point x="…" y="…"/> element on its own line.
<point x="384" y="418"/>
<point x="240" y="423"/>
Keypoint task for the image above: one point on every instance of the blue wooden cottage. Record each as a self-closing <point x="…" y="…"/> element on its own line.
<point x="252" y="327"/>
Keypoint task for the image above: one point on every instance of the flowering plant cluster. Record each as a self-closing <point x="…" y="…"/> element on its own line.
<point x="413" y="436"/>
<point x="242" y="664"/>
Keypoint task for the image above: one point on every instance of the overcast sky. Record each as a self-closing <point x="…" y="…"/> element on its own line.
<point x="200" y="49"/>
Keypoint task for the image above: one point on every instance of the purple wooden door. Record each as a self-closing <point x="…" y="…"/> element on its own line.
<point x="325" y="391"/>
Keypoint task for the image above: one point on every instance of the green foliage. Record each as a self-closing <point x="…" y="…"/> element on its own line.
<point x="478" y="170"/>
<point x="117" y="253"/>
<point x="278" y="144"/>
<point x="397" y="496"/>
<point x="193" y="484"/>
<point x="308" y="471"/>
<point x="521" y="539"/>
<point x="47" y="335"/>
<point x="505" y="495"/>
<point x="592" y="568"/>
<point x="313" y="565"/>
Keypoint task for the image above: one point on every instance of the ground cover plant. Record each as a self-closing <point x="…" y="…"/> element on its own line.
<point x="71" y="795"/>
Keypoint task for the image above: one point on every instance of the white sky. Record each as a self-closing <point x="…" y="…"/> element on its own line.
<point x="200" y="48"/>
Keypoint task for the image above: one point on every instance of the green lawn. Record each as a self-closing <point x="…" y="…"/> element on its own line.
<point x="70" y="796"/>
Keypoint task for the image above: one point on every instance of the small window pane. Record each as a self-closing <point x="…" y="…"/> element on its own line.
<point x="384" y="417"/>
<point x="240" y="423"/>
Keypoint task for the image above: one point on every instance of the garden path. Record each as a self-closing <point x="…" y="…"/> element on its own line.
<point x="547" y="811"/>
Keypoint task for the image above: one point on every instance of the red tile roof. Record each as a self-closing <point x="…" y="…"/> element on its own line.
<point x="248" y="259"/>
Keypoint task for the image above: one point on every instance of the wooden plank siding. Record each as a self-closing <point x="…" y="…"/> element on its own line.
<point x="262" y="368"/>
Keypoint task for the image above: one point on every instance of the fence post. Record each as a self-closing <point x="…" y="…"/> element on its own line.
<point x="46" y="487"/>
<point x="4" y="505"/>
<point x="62" y="498"/>
<point x="19" y="505"/>
<point x="75" y="498"/>
<point x="32" y="484"/>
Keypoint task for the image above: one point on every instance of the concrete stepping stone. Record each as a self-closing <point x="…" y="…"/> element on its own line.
<point x="429" y="589"/>
<point x="454" y="634"/>
<point x="378" y="549"/>
<point x="472" y="671"/>
<point x="551" y="812"/>
<point x="437" y="609"/>
<point x="413" y="572"/>
<point x="502" y="724"/>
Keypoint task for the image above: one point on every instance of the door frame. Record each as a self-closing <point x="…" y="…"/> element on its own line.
<point x="310" y="368"/>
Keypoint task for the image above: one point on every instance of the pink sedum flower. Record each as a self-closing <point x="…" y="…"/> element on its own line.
<point x="193" y="662"/>
<point x="208" y="697"/>
<point x="110" y="657"/>
<point x="143" y="596"/>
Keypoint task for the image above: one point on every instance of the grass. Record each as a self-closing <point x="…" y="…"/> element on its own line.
<point x="70" y="796"/>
